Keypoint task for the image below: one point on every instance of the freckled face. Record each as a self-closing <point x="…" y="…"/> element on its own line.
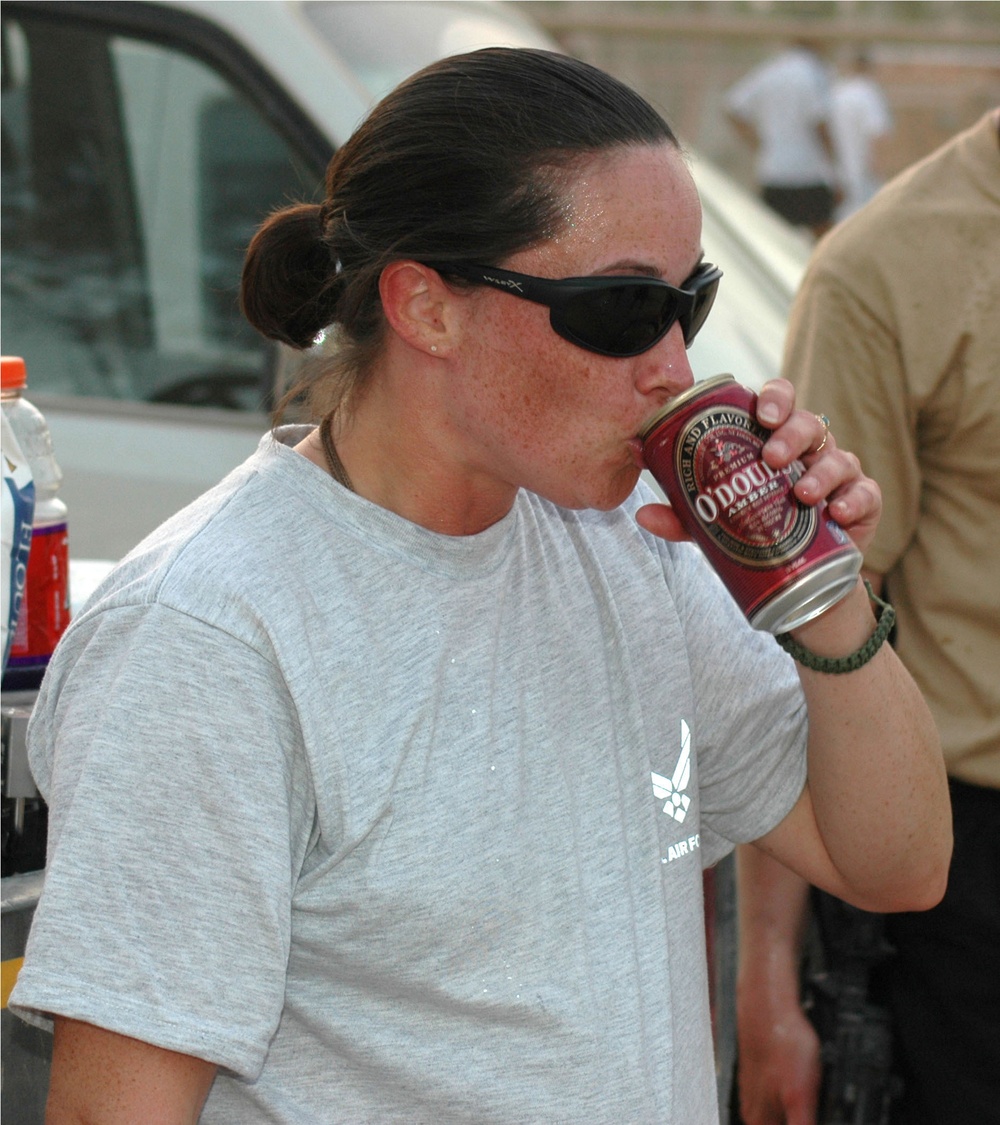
<point x="543" y="413"/>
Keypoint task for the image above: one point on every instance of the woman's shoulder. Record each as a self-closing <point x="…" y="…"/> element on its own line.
<point x="221" y="548"/>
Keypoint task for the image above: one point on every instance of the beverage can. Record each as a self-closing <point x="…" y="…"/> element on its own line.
<point x="784" y="562"/>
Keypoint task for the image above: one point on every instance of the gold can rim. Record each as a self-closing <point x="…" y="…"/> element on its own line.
<point x="683" y="399"/>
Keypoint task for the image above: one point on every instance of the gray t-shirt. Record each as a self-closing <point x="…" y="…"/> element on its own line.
<point x="402" y="827"/>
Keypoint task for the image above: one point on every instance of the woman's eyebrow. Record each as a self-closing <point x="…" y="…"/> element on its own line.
<point x="631" y="266"/>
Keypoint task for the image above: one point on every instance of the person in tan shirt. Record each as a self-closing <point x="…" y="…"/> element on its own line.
<point x="895" y="334"/>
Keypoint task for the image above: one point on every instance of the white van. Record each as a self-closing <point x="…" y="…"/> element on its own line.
<point x="142" y="144"/>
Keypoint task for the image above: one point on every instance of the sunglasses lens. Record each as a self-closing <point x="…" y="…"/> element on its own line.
<point x="621" y="320"/>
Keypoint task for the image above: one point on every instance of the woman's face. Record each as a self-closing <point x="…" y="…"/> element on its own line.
<point x="542" y="413"/>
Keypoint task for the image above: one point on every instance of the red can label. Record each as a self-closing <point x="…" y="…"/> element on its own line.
<point x="741" y="502"/>
<point x="783" y="561"/>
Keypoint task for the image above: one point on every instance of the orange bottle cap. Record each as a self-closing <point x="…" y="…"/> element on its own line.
<point x="14" y="373"/>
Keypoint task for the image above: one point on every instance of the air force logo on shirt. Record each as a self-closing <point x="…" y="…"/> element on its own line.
<point x="673" y="792"/>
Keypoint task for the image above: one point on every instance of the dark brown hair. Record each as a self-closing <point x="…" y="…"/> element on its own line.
<point x="465" y="161"/>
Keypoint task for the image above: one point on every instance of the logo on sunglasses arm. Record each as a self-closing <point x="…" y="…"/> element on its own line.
<point x="504" y="283"/>
<point x="672" y="790"/>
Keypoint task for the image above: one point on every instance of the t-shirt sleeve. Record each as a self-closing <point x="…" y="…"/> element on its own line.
<point x="751" y="714"/>
<point x="180" y="811"/>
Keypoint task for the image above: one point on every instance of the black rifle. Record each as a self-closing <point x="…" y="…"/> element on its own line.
<point x="858" y="1086"/>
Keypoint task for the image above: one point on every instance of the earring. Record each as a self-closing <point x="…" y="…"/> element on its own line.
<point x="434" y="347"/>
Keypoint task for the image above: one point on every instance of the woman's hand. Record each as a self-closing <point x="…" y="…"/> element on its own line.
<point x="832" y="474"/>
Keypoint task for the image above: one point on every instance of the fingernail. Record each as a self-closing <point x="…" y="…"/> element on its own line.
<point x="768" y="413"/>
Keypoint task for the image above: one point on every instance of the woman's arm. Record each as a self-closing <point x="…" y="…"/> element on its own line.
<point x="102" y="1078"/>
<point x="873" y="825"/>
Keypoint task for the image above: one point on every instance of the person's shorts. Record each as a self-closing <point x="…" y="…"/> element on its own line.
<point x="808" y="206"/>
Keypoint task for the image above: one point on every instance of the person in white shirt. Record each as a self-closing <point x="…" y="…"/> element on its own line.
<point x="782" y="111"/>
<point x="859" y="116"/>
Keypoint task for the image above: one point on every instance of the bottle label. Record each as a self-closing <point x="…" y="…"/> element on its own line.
<point x="18" y="504"/>
<point x="45" y="607"/>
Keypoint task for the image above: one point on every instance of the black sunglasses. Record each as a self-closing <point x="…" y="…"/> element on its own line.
<point x="617" y="316"/>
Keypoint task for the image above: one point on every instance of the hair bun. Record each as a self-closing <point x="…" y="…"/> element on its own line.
<point x="289" y="289"/>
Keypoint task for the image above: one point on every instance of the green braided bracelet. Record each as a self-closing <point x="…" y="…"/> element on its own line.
<point x="885" y="615"/>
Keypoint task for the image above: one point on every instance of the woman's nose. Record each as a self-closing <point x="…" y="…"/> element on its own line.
<point x="665" y="370"/>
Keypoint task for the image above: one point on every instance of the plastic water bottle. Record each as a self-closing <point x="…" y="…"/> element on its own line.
<point x="44" y="612"/>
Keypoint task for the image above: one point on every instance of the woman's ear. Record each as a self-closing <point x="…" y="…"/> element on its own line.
<point x="419" y="306"/>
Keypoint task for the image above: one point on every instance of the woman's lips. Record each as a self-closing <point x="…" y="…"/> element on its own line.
<point x="636" y="446"/>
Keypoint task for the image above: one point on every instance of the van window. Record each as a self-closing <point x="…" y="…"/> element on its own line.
<point x="134" y="175"/>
